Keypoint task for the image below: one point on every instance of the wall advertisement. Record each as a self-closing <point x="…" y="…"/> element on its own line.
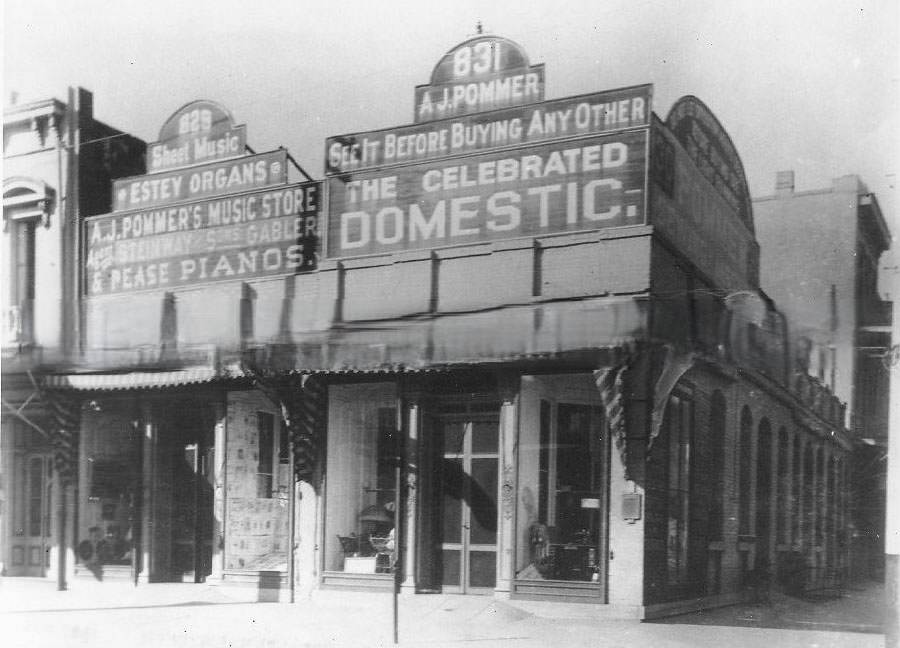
<point x="585" y="184"/>
<point x="251" y="234"/>
<point x="197" y="133"/>
<point x="588" y="114"/>
<point x="242" y="174"/>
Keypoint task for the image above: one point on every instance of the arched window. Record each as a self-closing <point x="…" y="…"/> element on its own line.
<point x="763" y="491"/>
<point x="783" y="485"/>
<point x="744" y="472"/>
<point x="796" y="489"/>
<point x="717" y="422"/>
<point x="26" y="203"/>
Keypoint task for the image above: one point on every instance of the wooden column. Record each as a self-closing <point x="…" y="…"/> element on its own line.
<point x="506" y="487"/>
<point x="219" y="476"/>
<point x="412" y="426"/>
<point x="148" y="488"/>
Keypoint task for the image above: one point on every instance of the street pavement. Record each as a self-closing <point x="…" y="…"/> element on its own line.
<point x="34" y="614"/>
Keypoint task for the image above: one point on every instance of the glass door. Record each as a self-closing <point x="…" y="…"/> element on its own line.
<point x="468" y="476"/>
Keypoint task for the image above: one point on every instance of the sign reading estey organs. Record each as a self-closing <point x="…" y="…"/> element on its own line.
<point x="198" y="132"/>
<point x="573" y="116"/>
<point x="235" y="237"/>
<point x="482" y="73"/>
<point x="587" y="184"/>
<point x="249" y="172"/>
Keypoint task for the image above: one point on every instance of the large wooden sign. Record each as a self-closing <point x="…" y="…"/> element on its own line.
<point x="248" y="172"/>
<point x="586" y="184"/>
<point x="240" y="236"/>
<point x="483" y="73"/>
<point x="198" y="132"/>
<point x="589" y="114"/>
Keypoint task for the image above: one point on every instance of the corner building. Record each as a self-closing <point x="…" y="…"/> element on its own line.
<point x="543" y="321"/>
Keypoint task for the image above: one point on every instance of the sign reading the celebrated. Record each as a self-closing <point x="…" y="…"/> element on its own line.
<point x="249" y="172"/>
<point x="235" y="237"/>
<point x="561" y="118"/>
<point x="483" y="73"/>
<point x="586" y="184"/>
<point x="199" y="132"/>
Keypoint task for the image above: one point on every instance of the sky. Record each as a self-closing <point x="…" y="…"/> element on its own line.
<point x="808" y="85"/>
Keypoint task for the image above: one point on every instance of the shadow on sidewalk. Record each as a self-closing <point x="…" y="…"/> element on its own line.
<point x="858" y="608"/>
<point x="113" y="608"/>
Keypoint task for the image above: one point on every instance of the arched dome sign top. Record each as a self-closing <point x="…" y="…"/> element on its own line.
<point x="199" y="132"/>
<point x="482" y="73"/>
<point x="709" y="146"/>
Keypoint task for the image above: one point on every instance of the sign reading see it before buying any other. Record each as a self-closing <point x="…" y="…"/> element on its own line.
<point x="197" y="133"/>
<point x="483" y="73"/>
<point x="585" y="184"/>
<point x="589" y="114"/>
<point x="254" y="234"/>
<point x="243" y="174"/>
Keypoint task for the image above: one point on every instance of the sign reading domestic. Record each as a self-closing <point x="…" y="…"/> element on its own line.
<point x="588" y="114"/>
<point x="483" y="73"/>
<point x="199" y="132"/>
<point x="249" y="172"/>
<point x="586" y="184"/>
<point x="235" y="237"/>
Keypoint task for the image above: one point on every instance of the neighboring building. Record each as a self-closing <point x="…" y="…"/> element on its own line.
<point x="58" y="162"/>
<point x="820" y="254"/>
<point x="546" y="314"/>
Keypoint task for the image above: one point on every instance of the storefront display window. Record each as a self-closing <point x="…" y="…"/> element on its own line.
<point x="359" y="524"/>
<point x="562" y="485"/>
<point x="110" y="483"/>
<point x="258" y="478"/>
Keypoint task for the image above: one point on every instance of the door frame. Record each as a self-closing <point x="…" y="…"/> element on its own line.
<point x="465" y="546"/>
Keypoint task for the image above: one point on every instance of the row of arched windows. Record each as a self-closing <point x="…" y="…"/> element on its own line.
<point x="789" y="489"/>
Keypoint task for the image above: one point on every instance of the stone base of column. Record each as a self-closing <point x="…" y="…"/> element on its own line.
<point x="892" y="600"/>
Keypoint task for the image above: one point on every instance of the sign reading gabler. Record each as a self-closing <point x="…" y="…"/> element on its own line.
<point x="243" y="174"/>
<point x="588" y="114"/>
<point x="235" y="237"/>
<point x="585" y="184"/>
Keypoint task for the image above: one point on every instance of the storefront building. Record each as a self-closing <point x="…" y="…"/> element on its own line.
<point x="58" y="161"/>
<point x="516" y="348"/>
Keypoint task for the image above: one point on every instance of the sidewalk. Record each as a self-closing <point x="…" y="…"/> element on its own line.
<point x="33" y="614"/>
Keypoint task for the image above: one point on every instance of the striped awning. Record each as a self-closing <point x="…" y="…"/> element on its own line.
<point x="132" y="380"/>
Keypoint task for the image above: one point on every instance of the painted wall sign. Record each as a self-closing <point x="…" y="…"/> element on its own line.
<point x="199" y="132"/>
<point x="587" y="184"/>
<point x="709" y="146"/>
<point x="482" y="73"/>
<point x="588" y="114"/>
<point x="230" y="176"/>
<point x="236" y="237"/>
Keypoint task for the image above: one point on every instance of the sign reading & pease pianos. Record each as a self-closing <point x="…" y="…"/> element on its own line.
<point x="252" y="234"/>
